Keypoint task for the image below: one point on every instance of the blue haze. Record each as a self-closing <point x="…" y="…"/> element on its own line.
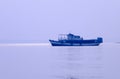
<point x="39" y="20"/>
<point x="47" y="62"/>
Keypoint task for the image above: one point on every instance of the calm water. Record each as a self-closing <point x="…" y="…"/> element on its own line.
<point x="42" y="61"/>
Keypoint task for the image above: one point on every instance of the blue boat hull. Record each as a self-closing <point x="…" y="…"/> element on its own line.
<point x="58" y="43"/>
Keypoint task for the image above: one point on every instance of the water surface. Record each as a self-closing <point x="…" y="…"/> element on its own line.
<point x="42" y="61"/>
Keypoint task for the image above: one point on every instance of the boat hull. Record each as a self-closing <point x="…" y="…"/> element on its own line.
<point x="58" y="43"/>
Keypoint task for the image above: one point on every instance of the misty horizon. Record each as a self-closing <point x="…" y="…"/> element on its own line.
<point x="45" y="19"/>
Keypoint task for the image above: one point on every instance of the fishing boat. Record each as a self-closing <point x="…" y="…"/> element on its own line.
<point x="75" y="40"/>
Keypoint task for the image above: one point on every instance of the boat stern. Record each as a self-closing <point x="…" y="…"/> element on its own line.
<point x="100" y="40"/>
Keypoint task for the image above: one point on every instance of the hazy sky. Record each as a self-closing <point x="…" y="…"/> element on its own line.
<point x="44" y="19"/>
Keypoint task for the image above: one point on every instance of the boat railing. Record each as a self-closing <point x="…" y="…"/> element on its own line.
<point x="69" y="37"/>
<point x="62" y="37"/>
